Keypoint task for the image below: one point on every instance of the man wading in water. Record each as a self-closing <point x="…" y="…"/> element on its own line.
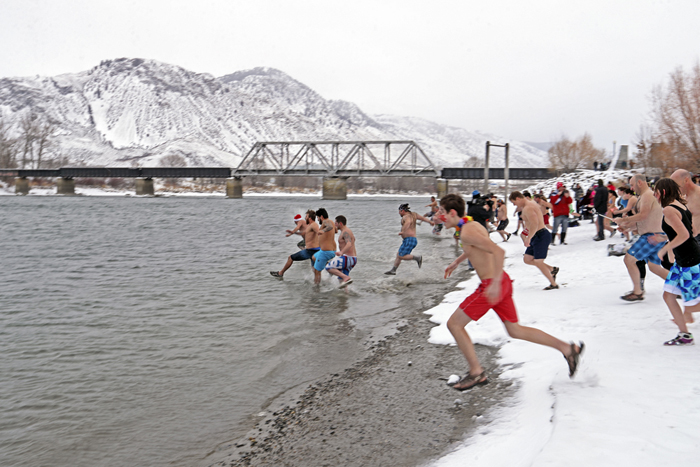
<point x="311" y="246"/>
<point x="326" y="242"/>
<point x="495" y="291"/>
<point x="408" y="233"/>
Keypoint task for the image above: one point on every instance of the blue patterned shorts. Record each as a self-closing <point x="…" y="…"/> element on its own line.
<point x="642" y="250"/>
<point x="684" y="282"/>
<point x="409" y="243"/>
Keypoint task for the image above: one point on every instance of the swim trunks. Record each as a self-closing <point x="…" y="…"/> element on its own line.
<point x="322" y="257"/>
<point x="304" y="254"/>
<point x="642" y="250"/>
<point x="684" y="282"/>
<point x="477" y="304"/>
<point x="344" y="263"/>
<point x="539" y="244"/>
<point x="409" y="243"/>
<point x="503" y="224"/>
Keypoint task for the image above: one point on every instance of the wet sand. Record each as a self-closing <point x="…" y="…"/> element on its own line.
<point x="393" y="408"/>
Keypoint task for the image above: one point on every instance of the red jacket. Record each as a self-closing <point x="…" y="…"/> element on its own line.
<point x="560" y="207"/>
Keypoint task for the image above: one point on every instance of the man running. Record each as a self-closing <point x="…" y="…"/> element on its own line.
<point x="502" y="217"/>
<point x="311" y="239"/>
<point x="346" y="257"/>
<point x="299" y="229"/>
<point x="495" y="291"/>
<point x="535" y="237"/>
<point x="648" y="223"/>
<point x="326" y="232"/>
<point x="408" y="233"/>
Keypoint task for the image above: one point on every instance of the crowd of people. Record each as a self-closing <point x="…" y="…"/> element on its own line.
<point x="661" y="224"/>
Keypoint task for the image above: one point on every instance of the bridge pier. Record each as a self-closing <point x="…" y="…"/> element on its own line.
<point x="335" y="188"/>
<point x="65" y="186"/>
<point x="234" y="188"/>
<point x="443" y="187"/>
<point x="21" y="186"/>
<point x="144" y="187"/>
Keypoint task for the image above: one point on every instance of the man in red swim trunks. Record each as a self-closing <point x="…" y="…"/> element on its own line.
<point x="495" y="291"/>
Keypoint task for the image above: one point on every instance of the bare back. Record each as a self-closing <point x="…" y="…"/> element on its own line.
<point x="346" y="238"/>
<point x="532" y="217"/>
<point x="502" y="212"/>
<point x="327" y="234"/>
<point x="652" y="222"/>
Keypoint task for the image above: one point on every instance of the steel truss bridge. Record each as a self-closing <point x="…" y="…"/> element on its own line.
<point x="341" y="159"/>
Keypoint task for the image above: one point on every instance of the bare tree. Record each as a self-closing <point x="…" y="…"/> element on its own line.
<point x="567" y="155"/>
<point x="473" y="161"/>
<point x="8" y="147"/>
<point x="28" y="132"/>
<point x="676" y="116"/>
<point x="44" y="131"/>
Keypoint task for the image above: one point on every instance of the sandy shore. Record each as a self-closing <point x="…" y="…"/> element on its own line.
<point x="392" y="408"/>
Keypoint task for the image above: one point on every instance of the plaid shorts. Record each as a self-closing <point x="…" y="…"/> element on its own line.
<point x="409" y="243"/>
<point x="642" y="250"/>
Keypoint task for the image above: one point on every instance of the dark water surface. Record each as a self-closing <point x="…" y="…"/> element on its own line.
<point x="146" y="331"/>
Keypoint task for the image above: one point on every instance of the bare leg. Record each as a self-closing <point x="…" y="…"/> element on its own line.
<point x="397" y="261"/>
<point x="544" y="268"/>
<point x="286" y="266"/>
<point x="536" y="336"/>
<point x="456" y="325"/>
<point x="317" y="276"/>
<point x="336" y="272"/>
<point x="633" y="271"/>
<point x="675" y="310"/>
<point x="658" y="270"/>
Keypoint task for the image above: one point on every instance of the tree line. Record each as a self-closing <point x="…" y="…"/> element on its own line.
<point x="27" y="143"/>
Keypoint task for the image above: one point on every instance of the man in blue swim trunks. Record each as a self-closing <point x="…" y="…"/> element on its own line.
<point x="408" y="233"/>
<point x="326" y="233"/>
<point x="311" y="247"/>
<point x="535" y="237"/>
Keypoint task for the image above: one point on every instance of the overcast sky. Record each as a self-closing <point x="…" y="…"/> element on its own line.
<point x="528" y="70"/>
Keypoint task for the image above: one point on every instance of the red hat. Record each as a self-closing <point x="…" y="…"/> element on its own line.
<point x="297" y="218"/>
<point x="560" y="184"/>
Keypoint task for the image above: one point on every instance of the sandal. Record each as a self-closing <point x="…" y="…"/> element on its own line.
<point x="574" y="358"/>
<point x="276" y="274"/>
<point x="633" y="297"/>
<point x="555" y="271"/>
<point x="469" y="381"/>
<point x="551" y="287"/>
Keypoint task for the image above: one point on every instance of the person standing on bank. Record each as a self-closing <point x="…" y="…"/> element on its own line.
<point x="600" y="204"/>
<point x="408" y="233"/>
<point x="560" y="202"/>
<point x="494" y="292"/>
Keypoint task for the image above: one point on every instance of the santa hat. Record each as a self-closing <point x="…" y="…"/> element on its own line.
<point x="297" y="218"/>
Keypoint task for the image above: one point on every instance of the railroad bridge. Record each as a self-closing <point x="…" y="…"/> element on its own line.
<point x="335" y="161"/>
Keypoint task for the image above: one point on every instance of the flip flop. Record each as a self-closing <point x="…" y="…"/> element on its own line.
<point x="345" y="284"/>
<point x="574" y="358"/>
<point x="469" y="381"/>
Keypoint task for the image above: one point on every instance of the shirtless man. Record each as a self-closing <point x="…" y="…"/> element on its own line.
<point x="408" y="233"/>
<point x="502" y="218"/>
<point x="648" y="224"/>
<point x="299" y="229"/>
<point x="495" y="291"/>
<point x="326" y="233"/>
<point x="535" y="237"/>
<point x="692" y="197"/>
<point x="311" y="239"/>
<point x="346" y="257"/>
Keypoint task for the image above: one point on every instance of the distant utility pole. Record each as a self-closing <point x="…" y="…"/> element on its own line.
<point x="486" y="165"/>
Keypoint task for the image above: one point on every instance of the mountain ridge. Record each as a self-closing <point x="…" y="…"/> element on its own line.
<point x="133" y="111"/>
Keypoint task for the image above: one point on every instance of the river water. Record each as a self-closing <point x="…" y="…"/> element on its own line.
<point x="148" y="331"/>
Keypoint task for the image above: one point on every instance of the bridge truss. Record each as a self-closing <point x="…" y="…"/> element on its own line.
<point x="336" y="159"/>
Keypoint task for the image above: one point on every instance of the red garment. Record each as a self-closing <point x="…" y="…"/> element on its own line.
<point x="476" y="305"/>
<point x="561" y="208"/>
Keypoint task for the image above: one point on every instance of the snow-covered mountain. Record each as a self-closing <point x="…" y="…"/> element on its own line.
<point x="133" y="111"/>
